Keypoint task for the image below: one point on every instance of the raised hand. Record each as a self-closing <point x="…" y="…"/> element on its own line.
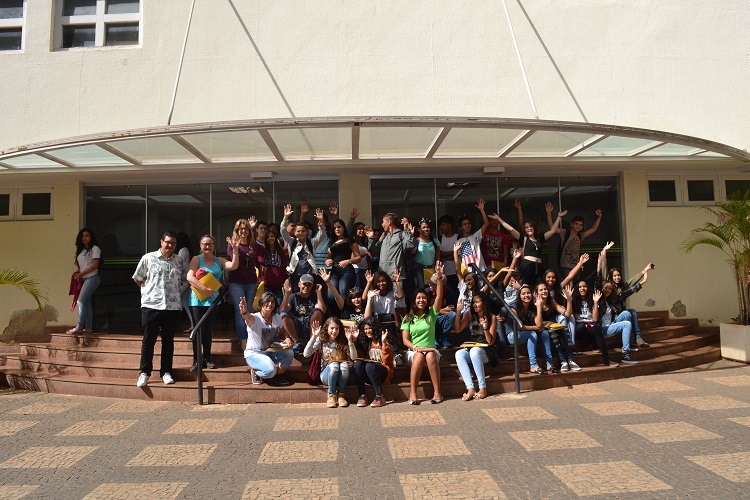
<point x="243" y="306"/>
<point x="315" y="329"/>
<point x="368" y="276"/>
<point x="562" y="214"/>
<point x="583" y="259"/>
<point x="568" y="292"/>
<point x="372" y="293"/>
<point x="456" y="245"/>
<point x="319" y="288"/>
<point x="549" y="207"/>
<point x="598" y="213"/>
<point x="480" y="204"/>
<point x="230" y="242"/>
<point x="648" y="268"/>
<point x="288" y="211"/>
<point x="597" y="295"/>
<point x="538" y="301"/>
<point x="369" y="232"/>
<point x="287" y="286"/>
<point x="609" y="245"/>
<point x="460" y="305"/>
<point x="517" y="253"/>
<point x="324" y="274"/>
<point x="439" y="267"/>
<point x="305" y="207"/>
<point x="354" y="214"/>
<point x="384" y="337"/>
<point x="483" y="321"/>
<point x="319" y="215"/>
<point x="351" y="334"/>
<point x="495" y="217"/>
<point x="334" y="209"/>
<point x="396" y="276"/>
<point x="517" y="203"/>
<point x="252" y="221"/>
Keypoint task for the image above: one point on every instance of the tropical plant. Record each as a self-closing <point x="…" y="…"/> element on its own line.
<point x="730" y="234"/>
<point x="22" y="280"/>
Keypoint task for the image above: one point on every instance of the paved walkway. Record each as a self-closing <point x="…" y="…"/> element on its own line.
<point x="675" y="435"/>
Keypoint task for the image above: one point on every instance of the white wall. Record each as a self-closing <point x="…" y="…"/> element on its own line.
<point x="673" y="65"/>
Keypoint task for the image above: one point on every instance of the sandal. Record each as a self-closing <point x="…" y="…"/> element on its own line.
<point x="437" y="401"/>
<point x="479" y="394"/>
<point x="75" y="330"/>
<point x="414" y="402"/>
<point x="551" y="369"/>
<point x="469" y="395"/>
<point x="538" y="370"/>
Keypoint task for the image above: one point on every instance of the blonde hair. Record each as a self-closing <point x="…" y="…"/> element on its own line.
<point x="236" y="230"/>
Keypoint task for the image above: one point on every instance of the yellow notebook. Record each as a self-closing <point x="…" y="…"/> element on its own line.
<point x="209" y="281"/>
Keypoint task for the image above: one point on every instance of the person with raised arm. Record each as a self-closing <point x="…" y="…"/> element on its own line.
<point x="337" y="352"/>
<point x="300" y="309"/>
<point x="243" y="281"/>
<point x="533" y="328"/>
<point x="269" y="345"/>
<point x="374" y="364"/>
<point x="471" y="243"/>
<point x="571" y="236"/>
<point x="482" y="325"/>
<point x="301" y="249"/>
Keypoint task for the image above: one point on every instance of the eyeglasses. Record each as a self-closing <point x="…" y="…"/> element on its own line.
<point x="169" y="243"/>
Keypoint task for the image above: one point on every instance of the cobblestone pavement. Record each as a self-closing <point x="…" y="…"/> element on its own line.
<point x="678" y="435"/>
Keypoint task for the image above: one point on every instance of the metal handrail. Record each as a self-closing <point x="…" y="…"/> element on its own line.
<point x="197" y="331"/>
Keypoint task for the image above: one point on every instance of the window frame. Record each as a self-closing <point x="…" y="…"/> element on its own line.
<point x="16" y="22"/>
<point x="101" y="20"/>
<point x="19" y="215"/>
<point x="686" y="197"/>
<point x="677" y="188"/>
<point x="11" y="204"/>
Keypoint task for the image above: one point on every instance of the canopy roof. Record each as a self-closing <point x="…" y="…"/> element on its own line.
<point x="283" y="144"/>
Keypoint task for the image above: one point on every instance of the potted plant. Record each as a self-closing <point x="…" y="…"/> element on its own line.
<point x="731" y="234"/>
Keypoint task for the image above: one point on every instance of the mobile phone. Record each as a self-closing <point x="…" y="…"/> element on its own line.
<point x="652" y="265"/>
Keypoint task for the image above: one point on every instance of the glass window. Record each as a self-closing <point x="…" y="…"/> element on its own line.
<point x="411" y="198"/>
<point x="5" y="205"/>
<point x="122" y="34"/>
<point x="10" y="38"/>
<point x="662" y="190"/>
<point x="318" y="194"/>
<point x="79" y="7"/>
<point x="11" y="9"/>
<point x="123" y="6"/>
<point x="458" y="197"/>
<point x="239" y="200"/>
<point x="736" y="185"/>
<point x="179" y="208"/>
<point x="700" y="190"/>
<point x="79" y="35"/>
<point x="36" y="204"/>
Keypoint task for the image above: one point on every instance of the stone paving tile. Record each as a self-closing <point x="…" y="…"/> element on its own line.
<point x="670" y="432"/>
<point x="711" y="403"/>
<point x="518" y="414"/>
<point x="579" y="391"/>
<point x="10" y="427"/>
<point x="139" y="491"/>
<point x="741" y="420"/>
<point x="733" y="381"/>
<point x="554" y="439"/>
<point x="98" y="428"/>
<point x="48" y="457"/>
<point x="172" y="455"/>
<point x="128" y="406"/>
<point x="212" y="407"/>
<point x="411" y="419"/>
<point x="307" y="423"/>
<point x="14" y="492"/>
<point x="287" y="452"/>
<point x="290" y="489"/>
<point x="304" y="406"/>
<point x="459" y="484"/>
<point x="659" y="385"/>
<point x="607" y="478"/>
<point x="202" y="426"/>
<point x="427" y="446"/>
<point x="732" y="466"/>
<point x="44" y="408"/>
<point x="619" y="408"/>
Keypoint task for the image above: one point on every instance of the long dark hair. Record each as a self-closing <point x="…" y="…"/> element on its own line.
<point x="360" y="241"/>
<point x="345" y="234"/>
<point x="578" y="300"/>
<point x="376" y="277"/>
<point x="340" y="338"/>
<point x="79" y="242"/>
<point x="485" y="303"/>
<point x="275" y="248"/>
<point x="537" y="233"/>
<point x="363" y="341"/>
<point x="413" y="309"/>
<point x="183" y="241"/>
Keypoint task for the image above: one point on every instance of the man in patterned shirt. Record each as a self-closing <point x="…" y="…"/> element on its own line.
<point x="162" y="277"/>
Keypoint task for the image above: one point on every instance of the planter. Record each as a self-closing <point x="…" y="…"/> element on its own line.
<point x="735" y="342"/>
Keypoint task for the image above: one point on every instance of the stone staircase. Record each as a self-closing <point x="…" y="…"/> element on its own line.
<point x="107" y="365"/>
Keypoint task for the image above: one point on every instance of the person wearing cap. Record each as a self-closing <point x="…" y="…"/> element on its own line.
<point x="446" y="315"/>
<point x="299" y="309"/>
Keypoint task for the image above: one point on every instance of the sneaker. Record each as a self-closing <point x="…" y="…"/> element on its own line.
<point x="281" y="380"/>
<point x="564" y="367"/>
<point x="142" y="380"/>
<point x="362" y="401"/>
<point x="447" y="344"/>
<point x="398" y="359"/>
<point x="167" y="378"/>
<point x="194" y="368"/>
<point x="574" y="366"/>
<point x="210" y="365"/>
<point x="331" y="401"/>
<point x="297" y="347"/>
<point x="627" y="359"/>
<point x="613" y="363"/>
<point x="343" y="403"/>
<point x="641" y="343"/>
<point x="377" y="402"/>
<point x="254" y="378"/>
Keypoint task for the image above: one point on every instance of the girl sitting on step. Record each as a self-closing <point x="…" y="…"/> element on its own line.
<point x="337" y="351"/>
<point x="482" y="326"/>
<point x="532" y="329"/>
<point x="375" y="362"/>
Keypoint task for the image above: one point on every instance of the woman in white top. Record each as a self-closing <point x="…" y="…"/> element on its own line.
<point x="88" y="256"/>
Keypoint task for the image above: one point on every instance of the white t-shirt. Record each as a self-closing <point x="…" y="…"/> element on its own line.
<point x="86" y="257"/>
<point x="476" y="245"/>
<point x="261" y="335"/>
<point x="362" y="264"/>
<point x="386" y="304"/>
<point x="446" y="245"/>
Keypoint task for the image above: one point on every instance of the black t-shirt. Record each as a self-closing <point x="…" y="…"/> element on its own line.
<point x="341" y="251"/>
<point x="302" y="307"/>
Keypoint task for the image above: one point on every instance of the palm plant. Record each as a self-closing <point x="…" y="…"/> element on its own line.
<point x="730" y="234"/>
<point x="22" y="280"/>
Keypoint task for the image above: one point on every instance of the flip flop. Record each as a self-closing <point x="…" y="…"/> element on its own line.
<point x="74" y="331"/>
<point x="437" y="401"/>
<point x="414" y="402"/>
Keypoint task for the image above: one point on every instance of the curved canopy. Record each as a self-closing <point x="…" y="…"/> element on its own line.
<point x="279" y="145"/>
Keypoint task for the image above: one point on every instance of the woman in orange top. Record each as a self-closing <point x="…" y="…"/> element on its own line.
<point x="373" y="345"/>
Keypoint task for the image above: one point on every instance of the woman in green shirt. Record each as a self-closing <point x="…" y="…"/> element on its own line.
<point x="418" y="331"/>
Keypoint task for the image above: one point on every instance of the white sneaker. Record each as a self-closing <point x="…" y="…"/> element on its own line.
<point x="254" y="378"/>
<point x="142" y="380"/>
<point x="574" y="366"/>
<point x="167" y="378"/>
<point x="564" y="366"/>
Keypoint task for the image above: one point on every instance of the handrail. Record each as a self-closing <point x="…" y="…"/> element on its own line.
<point x="199" y="339"/>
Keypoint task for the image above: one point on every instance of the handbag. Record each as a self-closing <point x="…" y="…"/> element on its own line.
<point x="313" y="373"/>
<point x="75" y="290"/>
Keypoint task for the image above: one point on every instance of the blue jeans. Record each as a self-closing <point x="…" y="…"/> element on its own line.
<point x="86" y="302"/>
<point x="531" y="338"/>
<point x="265" y="362"/>
<point x="236" y="292"/>
<point x="361" y="281"/>
<point x="562" y="341"/>
<point x="634" y="322"/>
<point x="623" y="326"/>
<point x="343" y="279"/>
<point x="444" y="326"/>
<point x="478" y="358"/>
<point x="336" y="375"/>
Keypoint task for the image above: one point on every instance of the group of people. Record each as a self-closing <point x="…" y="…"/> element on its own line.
<point x="337" y="292"/>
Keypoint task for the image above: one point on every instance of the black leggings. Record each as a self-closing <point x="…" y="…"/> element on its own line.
<point x="593" y="330"/>
<point x="531" y="272"/>
<point x="374" y="373"/>
<point x="207" y="331"/>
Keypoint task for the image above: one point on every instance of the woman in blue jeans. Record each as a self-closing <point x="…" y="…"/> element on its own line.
<point x="243" y="281"/>
<point x="614" y="322"/>
<point x="88" y="257"/>
<point x="532" y="329"/>
<point x="482" y="326"/>
<point x="336" y="357"/>
<point x="269" y="347"/>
